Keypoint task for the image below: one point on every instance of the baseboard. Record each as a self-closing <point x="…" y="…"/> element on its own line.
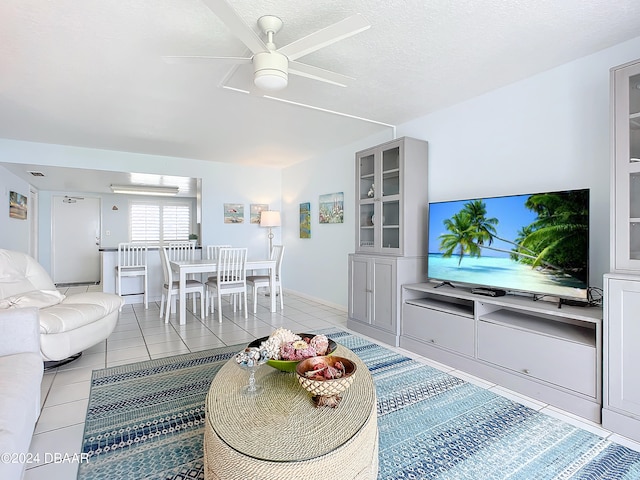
<point x="315" y="299"/>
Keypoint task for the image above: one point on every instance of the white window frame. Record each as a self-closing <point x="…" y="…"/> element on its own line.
<point x="162" y="238"/>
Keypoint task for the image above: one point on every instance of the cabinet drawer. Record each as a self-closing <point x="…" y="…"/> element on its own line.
<point x="560" y="362"/>
<point x="434" y="327"/>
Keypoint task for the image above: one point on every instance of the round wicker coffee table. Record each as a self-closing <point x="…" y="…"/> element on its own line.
<point x="279" y="433"/>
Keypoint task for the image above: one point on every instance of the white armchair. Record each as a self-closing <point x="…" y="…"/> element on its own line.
<point x="68" y="325"/>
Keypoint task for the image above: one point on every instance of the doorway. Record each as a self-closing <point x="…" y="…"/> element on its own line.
<point x="75" y="239"/>
<point x="33" y="223"/>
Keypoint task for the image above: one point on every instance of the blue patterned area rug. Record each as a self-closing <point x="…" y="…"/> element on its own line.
<point x="146" y="420"/>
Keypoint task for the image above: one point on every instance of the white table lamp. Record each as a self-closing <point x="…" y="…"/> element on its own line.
<point x="270" y="219"/>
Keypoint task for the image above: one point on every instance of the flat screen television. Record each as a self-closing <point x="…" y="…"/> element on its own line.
<point x="535" y="243"/>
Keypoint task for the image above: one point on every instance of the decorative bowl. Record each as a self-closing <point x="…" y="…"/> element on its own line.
<point x="326" y="387"/>
<point x="290" y="365"/>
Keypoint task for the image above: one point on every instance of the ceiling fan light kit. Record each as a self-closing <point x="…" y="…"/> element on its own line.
<point x="271" y="71"/>
<point x="272" y="65"/>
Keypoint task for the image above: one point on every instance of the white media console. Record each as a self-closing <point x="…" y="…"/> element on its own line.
<point x="533" y="347"/>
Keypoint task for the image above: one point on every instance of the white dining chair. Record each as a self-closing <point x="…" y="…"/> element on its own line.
<point x="171" y="288"/>
<point x="231" y="273"/>
<point x="183" y="251"/>
<point x="212" y="254"/>
<point x="132" y="262"/>
<point x="212" y="251"/>
<point x="260" y="281"/>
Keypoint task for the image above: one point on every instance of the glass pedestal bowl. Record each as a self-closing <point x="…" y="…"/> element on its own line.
<point x="250" y="359"/>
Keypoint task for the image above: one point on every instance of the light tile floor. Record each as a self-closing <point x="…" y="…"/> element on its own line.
<point x="141" y="335"/>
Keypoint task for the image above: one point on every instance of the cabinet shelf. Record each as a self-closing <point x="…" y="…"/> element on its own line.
<point x="632" y="167"/>
<point x="583" y="334"/>
<point x="462" y="309"/>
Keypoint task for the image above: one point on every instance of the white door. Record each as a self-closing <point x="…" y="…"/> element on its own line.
<point x="76" y="239"/>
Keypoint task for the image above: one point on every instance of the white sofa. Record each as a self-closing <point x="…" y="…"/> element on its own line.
<point x="20" y="378"/>
<point x="68" y="325"/>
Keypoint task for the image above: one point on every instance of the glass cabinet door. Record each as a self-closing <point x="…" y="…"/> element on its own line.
<point x="366" y="193"/>
<point x="626" y="214"/>
<point x="379" y="199"/>
<point x="390" y="198"/>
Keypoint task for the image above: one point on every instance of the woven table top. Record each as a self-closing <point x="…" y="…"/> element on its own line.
<point x="281" y="423"/>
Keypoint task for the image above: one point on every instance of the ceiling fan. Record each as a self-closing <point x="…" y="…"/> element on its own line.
<point x="272" y="65"/>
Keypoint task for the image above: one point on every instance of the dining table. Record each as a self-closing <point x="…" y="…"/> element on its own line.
<point x="187" y="267"/>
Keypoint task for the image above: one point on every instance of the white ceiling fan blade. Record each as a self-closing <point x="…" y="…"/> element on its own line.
<point x="206" y="60"/>
<point x="236" y="25"/>
<point x="331" y="34"/>
<point x="316" y="73"/>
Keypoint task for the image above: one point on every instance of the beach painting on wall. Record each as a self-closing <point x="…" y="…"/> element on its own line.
<point x="233" y="213"/>
<point x="17" y="206"/>
<point x="331" y="208"/>
<point x="255" y="210"/>
<point x="305" y="220"/>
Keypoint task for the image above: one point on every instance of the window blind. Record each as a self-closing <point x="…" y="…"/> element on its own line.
<point x="159" y="222"/>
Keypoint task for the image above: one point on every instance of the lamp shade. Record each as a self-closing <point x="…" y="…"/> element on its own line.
<point x="270" y="218"/>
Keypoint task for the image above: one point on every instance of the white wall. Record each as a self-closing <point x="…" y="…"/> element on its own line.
<point x="221" y="183"/>
<point x="547" y="132"/>
<point x="14" y="233"/>
<point x="317" y="267"/>
<point x="550" y="131"/>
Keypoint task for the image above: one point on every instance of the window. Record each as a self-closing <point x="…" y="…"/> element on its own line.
<point x="159" y="222"/>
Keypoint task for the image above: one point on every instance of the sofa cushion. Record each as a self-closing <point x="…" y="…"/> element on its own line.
<point x="19" y="331"/>
<point x="77" y="310"/>
<point x="20" y="379"/>
<point x="35" y="298"/>
<point x="20" y="273"/>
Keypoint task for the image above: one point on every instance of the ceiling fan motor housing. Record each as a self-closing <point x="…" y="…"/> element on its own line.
<point x="271" y="70"/>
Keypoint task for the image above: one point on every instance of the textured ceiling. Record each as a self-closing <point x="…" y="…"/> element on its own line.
<point x="90" y="73"/>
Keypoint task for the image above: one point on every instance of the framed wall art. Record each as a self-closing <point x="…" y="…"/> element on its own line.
<point x="233" y="213"/>
<point x="17" y="206"/>
<point x="331" y="208"/>
<point x="255" y="209"/>
<point x="305" y="220"/>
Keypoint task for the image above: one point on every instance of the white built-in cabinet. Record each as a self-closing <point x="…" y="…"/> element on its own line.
<point x="621" y="382"/>
<point x="391" y="234"/>
<point x="533" y="347"/>
<point x="375" y="286"/>
<point x="621" y="399"/>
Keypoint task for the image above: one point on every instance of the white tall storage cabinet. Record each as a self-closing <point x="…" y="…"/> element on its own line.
<point x="391" y="234"/>
<point x="621" y="336"/>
